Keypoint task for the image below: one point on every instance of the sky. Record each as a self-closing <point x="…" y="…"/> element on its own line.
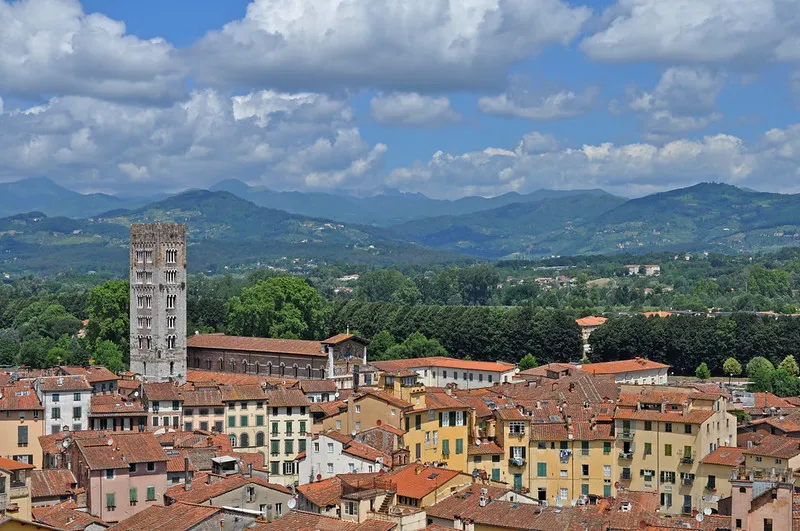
<point x="446" y="98"/>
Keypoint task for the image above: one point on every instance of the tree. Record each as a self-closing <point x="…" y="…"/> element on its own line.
<point x="108" y="354"/>
<point x="33" y="352"/>
<point x="789" y="365"/>
<point x="379" y="345"/>
<point x="109" y="313"/>
<point x="286" y="307"/>
<point x="760" y="372"/>
<point x="732" y="368"/>
<point x="702" y="372"/>
<point x="785" y="384"/>
<point x="385" y="285"/>
<point x="527" y="362"/>
<point x="416" y="346"/>
<point x="57" y="356"/>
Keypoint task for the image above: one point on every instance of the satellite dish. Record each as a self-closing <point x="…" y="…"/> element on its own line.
<point x="707" y="511"/>
<point x="110" y="442"/>
<point x="353" y="433"/>
<point x="65" y="443"/>
<point x="516" y="371"/>
<point x="135" y="394"/>
<point x="699" y="517"/>
<point x="292" y="503"/>
<point x="477" y="442"/>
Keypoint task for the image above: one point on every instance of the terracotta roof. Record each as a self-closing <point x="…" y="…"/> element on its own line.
<point x="207" y="396"/>
<point x="387" y="427"/>
<point x="125" y="448"/>
<point x="177" y="463"/>
<point x="767" y="400"/>
<point x="287" y="397"/>
<point x="725" y="456"/>
<point x="19" y="398"/>
<point x="257" y="344"/>
<point x="509" y="414"/>
<point x="323" y="493"/>
<point x="622" y="366"/>
<point x="94" y="374"/>
<point x="591" y="321"/>
<point x="786" y="424"/>
<point x="51" y="444"/>
<point x="167" y="391"/>
<point x="318" y="386"/>
<point x="445" y="363"/>
<point x="417" y="481"/>
<point x="385" y="397"/>
<point x="65" y="516"/>
<point x="366" y="452"/>
<point x="341" y="338"/>
<point x="305" y="521"/>
<point x="201" y="492"/>
<point x="175" y="517"/>
<point x="439" y="400"/>
<point x="542" y="370"/>
<point x="115" y="405"/>
<point x="64" y="383"/>
<point x="580" y="431"/>
<point x="11" y="465"/>
<point x="52" y="482"/>
<point x="775" y="446"/>
<point x="231" y="393"/>
<point x="696" y="416"/>
<point x="485" y="448"/>
<point x="199" y="377"/>
<point x="328" y="408"/>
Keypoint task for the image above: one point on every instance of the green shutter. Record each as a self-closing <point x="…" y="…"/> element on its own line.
<point x="151" y="493"/>
<point x="110" y="501"/>
<point x="259" y="420"/>
<point x="301" y="445"/>
<point x="452" y="418"/>
<point x="288" y="427"/>
<point x="441" y="416"/>
<point x="585" y="489"/>
<point x="134" y="495"/>
<point x="273" y="467"/>
<point x="289" y="446"/>
<point x="495" y="474"/>
<point x="606" y="447"/>
<point x="232" y="421"/>
<point x="407" y="424"/>
<point x="243" y="421"/>
<point x="606" y="491"/>
<point x="459" y="446"/>
<point x="445" y="446"/>
<point x="541" y="469"/>
<point x="274" y="428"/>
<point x="302" y="427"/>
<point x="274" y="446"/>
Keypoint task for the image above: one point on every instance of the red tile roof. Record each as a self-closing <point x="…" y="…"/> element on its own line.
<point x="124" y="448"/>
<point x="167" y="391"/>
<point x="341" y="338"/>
<point x="323" y="493"/>
<point x="19" y="398"/>
<point x="65" y="516"/>
<point x="788" y="424"/>
<point x="202" y="492"/>
<point x="509" y="414"/>
<point x="385" y="397"/>
<point x="696" y="416"/>
<point x="328" y="409"/>
<point x="207" y="396"/>
<point x="318" y="386"/>
<point x="177" y="463"/>
<point x="51" y="483"/>
<point x="591" y="321"/>
<point x="287" y="398"/>
<point x="775" y="446"/>
<point x="725" y="456"/>
<point x="417" y="481"/>
<point x="445" y="363"/>
<point x="257" y="344"/>
<point x="115" y="405"/>
<point x="485" y="448"/>
<point x="64" y="383"/>
<point x="305" y="521"/>
<point x="94" y="374"/>
<point x="11" y="465"/>
<point x="52" y="444"/>
<point x="232" y="393"/>
<point x="439" y="400"/>
<point x="622" y="366"/>
<point x="175" y="517"/>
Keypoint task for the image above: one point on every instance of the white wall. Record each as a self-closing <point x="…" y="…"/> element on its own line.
<point x="435" y="377"/>
<point x="66" y="403"/>
<point x="643" y="377"/>
<point x="317" y="462"/>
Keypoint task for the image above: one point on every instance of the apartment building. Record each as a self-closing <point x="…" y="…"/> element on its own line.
<point x="716" y="471"/>
<point x="21" y="423"/>
<point x="439" y="371"/>
<point x="66" y="401"/>
<point x="117" y="412"/>
<point x="246" y="411"/>
<point x="15" y="488"/>
<point x="101" y="379"/>
<point x="661" y="438"/>
<point x="513" y="432"/>
<point x="437" y="430"/>
<point x="366" y="409"/>
<point x="638" y="371"/>
<point x="332" y="453"/>
<point x="203" y="409"/>
<point x="290" y="425"/>
<point x="164" y="405"/>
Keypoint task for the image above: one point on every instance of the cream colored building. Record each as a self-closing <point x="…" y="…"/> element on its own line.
<point x="15" y="488"/>
<point x="246" y="416"/>
<point x="21" y="423"/>
<point x="289" y="427"/>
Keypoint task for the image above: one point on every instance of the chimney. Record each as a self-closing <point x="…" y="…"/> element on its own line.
<point x="269" y="513"/>
<point x="249" y="470"/>
<point x="208" y="479"/>
<point x="187" y="475"/>
<point x="355" y="378"/>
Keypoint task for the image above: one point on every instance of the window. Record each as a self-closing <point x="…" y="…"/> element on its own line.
<point x="584" y="447"/>
<point x="606" y="447"/>
<point x="767" y="524"/>
<point x="668" y="427"/>
<point x="132" y="467"/>
<point x="288" y="447"/>
<point x="76" y="397"/>
<point x="289" y="427"/>
<point x="171" y="299"/>
<point x="155" y="421"/>
<point x="274" y="446"/>
<point x="110" y="501"/>
<point x="151" y="493"/>
<point x="109" y="473"/>
<point x="134" y="495"/>
<point x="459" y="446"/>
<point x="358" y="409"/>
<point x="22" y="436"/>
<point x="171" y="320"/>
<point x="301" y="445"/>
<point x="330" y="448"/>
<point x="606" y="471"/>
<point x="232" y="421"/>
<point x="648" y="425"/>
<point x="445" y="447"/>
<point x="667" y="477"/>
<point x="302" y="427"/>
<point x="203" y="425"/>
<point x="712" y="482"/>
<point x="244" y="440"/>
<point x="758" y="459"/>
<point x="584" y="470"/>
<point x="668" y="450"/>
<point x="56" y="397"/>
<point x="218" y="427"/>
<point x="259" y="420"/>
<point x="243" y="421"/>
<point x="55" y="413"/>
<point x="541" y="470"/>
<point x="564" y="474"/>
<point x="687" y="428"/>
<point x="460" y="418"/>
<point x="151" y="466"/>
<point x="563" y="493"/>
<point x="339" y="424"/>
<point x="76" y="412"/>
<point x="330" y="468"/>
<point x="738" y="523"/>
<point x="666" y="499"/>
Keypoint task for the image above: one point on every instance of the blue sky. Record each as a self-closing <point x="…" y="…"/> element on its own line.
<point x="448" y="99"/>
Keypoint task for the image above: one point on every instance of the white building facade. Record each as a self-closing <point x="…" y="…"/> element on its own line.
<point x="66" y="401"/>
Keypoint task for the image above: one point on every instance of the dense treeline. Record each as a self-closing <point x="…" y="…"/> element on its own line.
<point x="686" y="341"/>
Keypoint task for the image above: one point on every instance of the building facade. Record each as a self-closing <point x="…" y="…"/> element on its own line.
<point x="158" y="301"/>
<point x="21" y="423"/>
<point x="66" y="401"/>
<point x="289" y="427"/>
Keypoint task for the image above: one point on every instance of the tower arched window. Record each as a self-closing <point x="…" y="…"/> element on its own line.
<point x="258" y="367"/>
<point x="208" y="364"/>
<point x="221" y="364"/>
<point x="244" y="366"/>
<point x="233" y="365"/>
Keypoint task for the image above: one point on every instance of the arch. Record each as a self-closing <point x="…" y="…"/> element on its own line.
<point x="244" y="365"/>
<point x="258" y="367"/>
<point x="208" y="364"/>
<point x="269" y="368"/>
<point x="233" y="440"/>
<point x="221" y="364"/>
<point x="308" y="370"/>
<point x="282" y="369"/>
<point x="244" y="440"/>
<point x="296" y="369"/>
<point x="233" y="365"/>
<point x="260" y="438"/>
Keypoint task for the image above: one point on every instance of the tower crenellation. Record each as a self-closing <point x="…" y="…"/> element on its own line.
<point x="158" y="301"/>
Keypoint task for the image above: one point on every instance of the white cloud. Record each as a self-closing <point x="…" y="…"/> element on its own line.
<point x="689" y="31"/>
<point x="415" y="45"/>
<point x="628" y="169"/>
<point x="666" y="123"/>
<point x="412" y="109"/>
<point x="286" y="141"/>
<point x="535" y="142"/>
<point x="52" y="47"/>
<point x="520" y="101"/>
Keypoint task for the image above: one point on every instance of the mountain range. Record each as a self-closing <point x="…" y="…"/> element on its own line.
<point x="49" y="228"/>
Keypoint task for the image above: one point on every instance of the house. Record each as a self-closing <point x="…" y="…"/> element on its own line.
<point x="15" y="488"/>
<point x="290" y="422"/>
<point x="101" y="379"/>
<point x="419" y="485"/>
<point x="485" y="507"/>
<point x="22" y="424"/>
<point x="66" y="401"/>
<point x="319" y="390"/>
<point x="332" y="453"/>
<point x="589" y="325"/>
<point x="366" y="409"/>
<point x="437" y="429"/>
<point x="237" y="491"/>
<point x="188" y="517"/>
<point x="53" y="486"/>
<point x="321" y="496"/>
<point x="164" y="405"/>
<point x="639" y="371"/>
<point x="203" y="409"/>
<point x="439" y="371"/>
<point x="66" y="516"/>
<point x="245" y="406"/>
<point x="305" y="521"/>
<point x="117" y="412"/>
<point x="761" y="502"/>
<point x="122" y="475"/>
<point x="716" y="470"/>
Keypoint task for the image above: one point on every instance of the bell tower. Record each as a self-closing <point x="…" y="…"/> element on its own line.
<point x="158" y="301"/>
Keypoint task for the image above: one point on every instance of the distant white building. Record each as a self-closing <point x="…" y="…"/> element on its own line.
<point x="636" y="371"/>
<point x="439" y="371"/>
<point x="332" y="453"/>
<point x="66" y="401"/>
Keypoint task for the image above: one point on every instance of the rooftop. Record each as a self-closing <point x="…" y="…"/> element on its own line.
<point x="66" y="516"/>
<point x="257" y="344"/>
<point x="389" y="398"/>
<point x="287" y="398"/>
<point x="54" y="384"/>
<point x="202" y="492"/>
<point x="52" y="482"/>
<point x="206" y="396"/>
<point x="19" y="398"/>
<point x="305" y="521"/>
<point x="323" y="493"/>
<point x="775" y="446"/>
<point x="444" y="363"/>
<point x="10" y="465"/>
<point x="120" y="450"/>
<point x="318" y="386"/>
<point x="417" y="481"/>
<point x="622" y="366"/>
<point x="166" y="391"/>
<point x="115" y="405"/>
<point x="591" y="321"/>
<point x="175" y="517"/>
<point x="725" y="456"/>
<point x="94" y="374"/>
<point x="232" y="393"/>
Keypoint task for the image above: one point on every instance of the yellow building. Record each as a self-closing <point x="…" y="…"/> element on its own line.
<point x="246" y="417"/>
<point x="437" y="430"/>
<point x="488" y="459"/>
<point x="15" y="488"/>
<point x="661" y="437"/>
<point x="716" y="470"/>
<point x="21" y="423"/>
<point x="365" y="410"/>
<point x="512" y="430"/>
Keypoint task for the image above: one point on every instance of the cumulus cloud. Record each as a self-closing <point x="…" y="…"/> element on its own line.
<point x="628" y="169"/>
<point x="522" y="100"/>
<point x="696" y="31"/>
<point x="287" y="141"/>
<point x="412" y="109"/>
<point x="416" y="45"/>
<point x="52" y="47"/>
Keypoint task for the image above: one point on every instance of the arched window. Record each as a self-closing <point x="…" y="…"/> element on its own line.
<point x="144" y="367"/>
<point x="208" y="364"/>
<point x="260" y="439"/>
<point x="233" y="440"/>
<point x="296" y="369"/>
<point x="221" y="364"/>
<point x="233" y="365"/>
<point x="258" y="367"/>
<point x="308" y="370"/>
<point x="283" y="370"/>
<point x="245" y="441"/>
<point x="171" y="368"/>
<point x="269" y="368"/>
<point x="244" y="365"/>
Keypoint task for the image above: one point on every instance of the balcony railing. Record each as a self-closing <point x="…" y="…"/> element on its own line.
<point x="625" y="435"/>
<point x="687" y="460"/>
<point x="625" y="476"/>
<point x="626" y="455"/>
<point x="687" y="481"/>
<point x="516" y="461"/>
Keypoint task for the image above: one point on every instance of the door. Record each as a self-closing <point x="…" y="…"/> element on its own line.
<point x="517" y="482"/>
<point x="606" y="491"/>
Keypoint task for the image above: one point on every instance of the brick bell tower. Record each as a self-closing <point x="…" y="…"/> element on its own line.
<point x="158" y="301"/>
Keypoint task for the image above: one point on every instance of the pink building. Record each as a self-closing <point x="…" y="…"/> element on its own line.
<point x="761" y="500"/>
<point x="122" y="475"/>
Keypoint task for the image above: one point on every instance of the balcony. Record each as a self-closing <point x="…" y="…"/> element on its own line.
<point x="687" y="481"/>
<point x="687" y="460"/>
<point x="625" y="476"/>
<point x="516" y="461"/>
<point x="626" y="455"/>
<point x="625" y="435"/>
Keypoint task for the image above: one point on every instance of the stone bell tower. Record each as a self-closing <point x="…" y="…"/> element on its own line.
<point x="158" y="301"/>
